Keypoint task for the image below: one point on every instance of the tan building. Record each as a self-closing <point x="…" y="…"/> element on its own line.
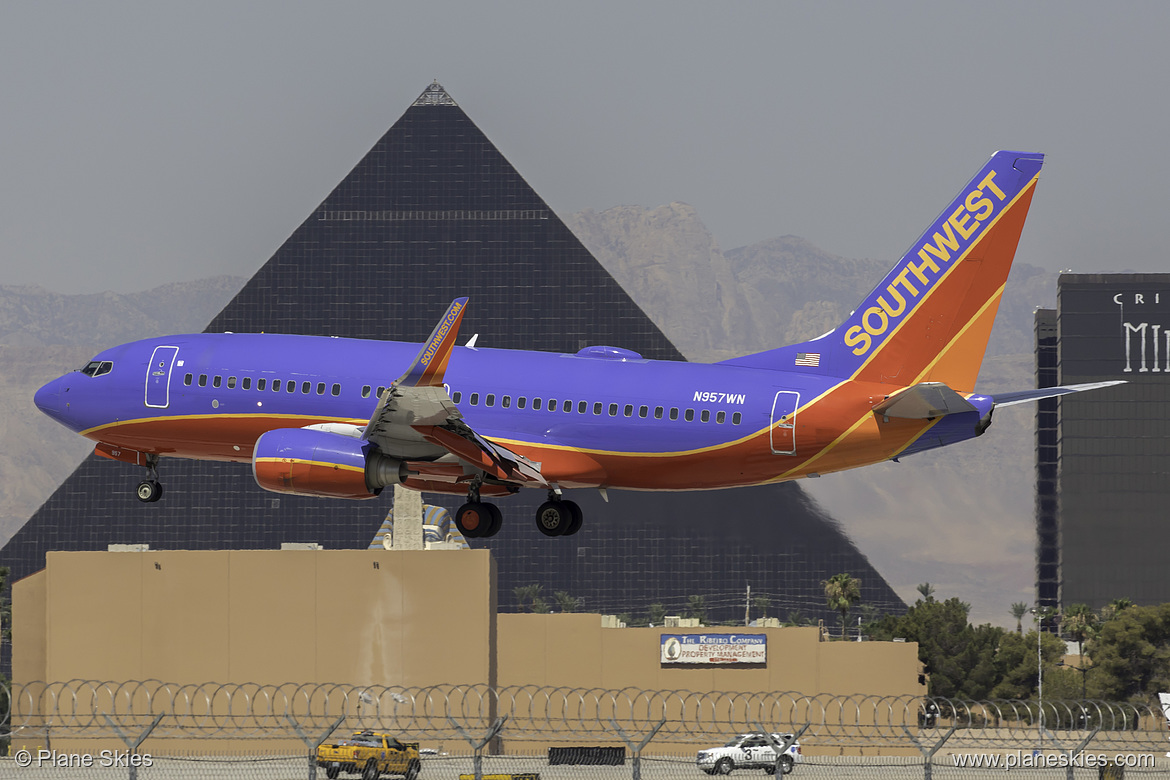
<point x="378" y="618"/>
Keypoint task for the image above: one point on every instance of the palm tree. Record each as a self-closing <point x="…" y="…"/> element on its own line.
<point x="566" y="602"/>
<point x="927" y="591"/>
<point x="1115" y="608"/>
<point x="1019" y="609"/>
<point x="528" y="597"/>
<point x="841" y="592"/>
<point x="1079" y="623"/>
<point x="761" y="603"/>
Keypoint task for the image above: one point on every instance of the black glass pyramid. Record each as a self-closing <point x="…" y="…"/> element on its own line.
<point x="431" y="213"/>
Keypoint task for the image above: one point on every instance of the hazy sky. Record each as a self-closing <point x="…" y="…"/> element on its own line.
<point x="145" y="143"/>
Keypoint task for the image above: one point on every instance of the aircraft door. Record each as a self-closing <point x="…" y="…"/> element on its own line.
<point x="784" y="422"/>
<point x="158" y="377"/>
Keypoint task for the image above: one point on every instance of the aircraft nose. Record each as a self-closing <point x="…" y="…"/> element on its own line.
<point x="48" y="399"/>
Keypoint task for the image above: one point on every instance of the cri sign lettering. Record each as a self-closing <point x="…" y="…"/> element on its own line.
<point x="952" y="238"/>
<point x="1147" y="339"/>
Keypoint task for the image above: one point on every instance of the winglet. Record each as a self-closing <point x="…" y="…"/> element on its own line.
<point x="428" y="368"/>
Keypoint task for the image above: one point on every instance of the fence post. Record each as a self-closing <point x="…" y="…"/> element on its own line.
<point x="636" y="747"/>
<point x="477" y="743"/>
<point x="1074" y="752"/>
<point x="314" y="743"/>
<point x="132" y="743"/>
<point x="928" y="755"/>
<point x="780" y="748"/>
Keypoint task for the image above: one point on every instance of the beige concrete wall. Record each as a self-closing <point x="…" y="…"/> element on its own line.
<point x="265" y="616"/>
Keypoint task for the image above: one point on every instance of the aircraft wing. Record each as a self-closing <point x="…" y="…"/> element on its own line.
<point x="416" y="420"/>
<point x="1023" y="396"/>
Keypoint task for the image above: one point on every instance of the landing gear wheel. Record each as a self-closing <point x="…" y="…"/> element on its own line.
<point x="496" y="520"/>
<point x="724" y="766"/>
<point x="577" y="518"/>
<point x="149" y="491"/>
<point x="474" y="519"/>
<point x="554" y="518"/>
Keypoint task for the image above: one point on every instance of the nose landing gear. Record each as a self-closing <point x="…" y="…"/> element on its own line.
<point x="150" y="489"/>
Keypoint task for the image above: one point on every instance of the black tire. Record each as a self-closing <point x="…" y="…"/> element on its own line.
<point x="472" y="519"/>
<point x="332" y="772"/>
<point x="413" y="769"/>
<point x="786" y="764"/>
<point x="578" y="517"/>
<point x="370" y="771"/>
<point x="724" y="766"/>
<point x="496" y="522"/>
<point x="553" y="518"/>
<point x="148" y="491"/>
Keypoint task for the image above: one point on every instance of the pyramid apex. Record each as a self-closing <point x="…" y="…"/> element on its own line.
<point x="434" y="95"/>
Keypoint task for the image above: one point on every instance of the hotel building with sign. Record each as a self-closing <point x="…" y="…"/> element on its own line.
<point x="1103" y="457"/>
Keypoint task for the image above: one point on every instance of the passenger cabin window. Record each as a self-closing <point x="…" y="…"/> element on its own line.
<point x="567" y="406"/>
<point x="475" y="399"/>
<point x="643" y="411"/>
<point x="536" y="404"/>
<point x="320" y="388"/>
<point x="290" y="386"/>
<point x="582" y="407"/>
<point x="735" y="418"/>
<point x="597" y="407"/>
<point x="275" y="385"/>
<point x="307" y="387"/>
<point x="336" y="389"/>
<point x="456" y="396"/>
<point x="706" y="415"/>
<point x="521" y="402"/>
<point x="203" y="380"/>
<point x="366" y="391"/>
<point x="231" y="383"/>
<point x="490" y="399"/>
<point x="187" y="379"/>
<point x="674" y="412"/>
<point x="506" y="402"/>
<point x="260" y="383"/>
<point x="613" y="410"/>
<point x="690" y="415"/>
<point x="657" y="412"/>
<point x="720" y="417"/>
<point x="215" y="381"/>
<point x="247" y="384"/>
<point x="380" y="391"/>
<point x="629" y="410"/>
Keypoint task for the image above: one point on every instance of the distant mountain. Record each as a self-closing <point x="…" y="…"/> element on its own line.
<point x="960" y="518"/>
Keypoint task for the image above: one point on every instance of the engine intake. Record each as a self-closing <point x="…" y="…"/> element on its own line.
<point x="319" y="463"/>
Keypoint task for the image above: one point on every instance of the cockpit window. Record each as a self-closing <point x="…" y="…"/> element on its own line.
<point x="97" y="367"/>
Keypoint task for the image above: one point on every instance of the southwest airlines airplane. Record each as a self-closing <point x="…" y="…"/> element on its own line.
<point x="323" y="416"/>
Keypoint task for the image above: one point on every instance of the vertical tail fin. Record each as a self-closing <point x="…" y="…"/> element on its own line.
<point x="930" y="318"/>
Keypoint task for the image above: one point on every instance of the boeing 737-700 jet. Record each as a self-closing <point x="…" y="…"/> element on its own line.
<point x="325" y="417"/>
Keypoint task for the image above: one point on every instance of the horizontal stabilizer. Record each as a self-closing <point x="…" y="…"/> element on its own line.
<point x="1023" y="396"/>
<point x="924" y="401"/>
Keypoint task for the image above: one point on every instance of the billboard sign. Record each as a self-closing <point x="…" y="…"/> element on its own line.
<point x="1114" y="326"/>
<point x="714" y="648"/>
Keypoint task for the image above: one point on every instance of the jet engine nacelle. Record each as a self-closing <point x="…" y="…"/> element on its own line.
<point x="319" y="463"/>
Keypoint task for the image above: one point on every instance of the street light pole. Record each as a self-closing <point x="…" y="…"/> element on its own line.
<point x="1039" y="678"/>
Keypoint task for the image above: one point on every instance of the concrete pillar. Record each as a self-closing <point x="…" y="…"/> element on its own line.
<point x="408" y="519"/>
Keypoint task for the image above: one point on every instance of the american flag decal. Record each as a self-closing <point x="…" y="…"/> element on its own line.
<point x="808" y="359"/>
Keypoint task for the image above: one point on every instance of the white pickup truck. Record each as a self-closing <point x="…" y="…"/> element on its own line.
<point x="748" y="751"/>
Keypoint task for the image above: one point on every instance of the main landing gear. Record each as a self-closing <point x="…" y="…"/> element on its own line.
<point x="558" y="517"/>
<point x="150" y="489"/>
<point x="480" y="519"/>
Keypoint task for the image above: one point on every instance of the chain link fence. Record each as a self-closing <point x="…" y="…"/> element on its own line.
<point x="152" y="729"/>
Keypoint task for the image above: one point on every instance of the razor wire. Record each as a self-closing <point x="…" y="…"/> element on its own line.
<point x="92" y="709"/>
